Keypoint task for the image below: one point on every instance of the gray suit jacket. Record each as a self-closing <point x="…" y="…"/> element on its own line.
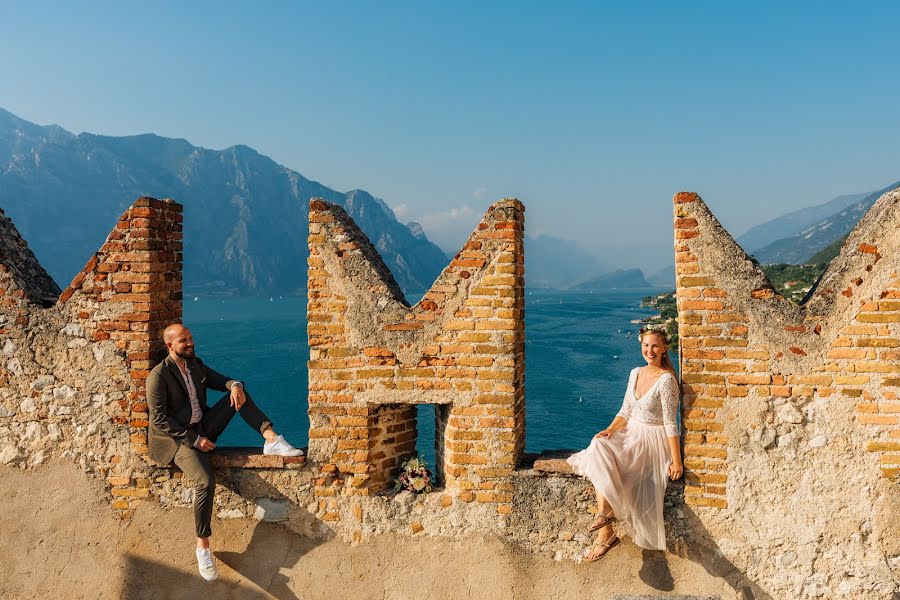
<point x="170" y="404"/>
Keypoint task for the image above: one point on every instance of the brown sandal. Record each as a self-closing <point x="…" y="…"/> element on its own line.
<point x="602" y="521"/>
<point x="608" y="544"/>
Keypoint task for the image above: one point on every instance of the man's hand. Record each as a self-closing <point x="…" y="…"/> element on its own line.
<point x="237" y="396"/>
<point x="205" y="444"/>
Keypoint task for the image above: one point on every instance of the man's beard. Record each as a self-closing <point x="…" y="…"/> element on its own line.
<point x="186" y="353"/>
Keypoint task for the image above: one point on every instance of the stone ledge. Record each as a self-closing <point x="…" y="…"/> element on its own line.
<point x="550" y="462"/>
<point x="669" y="596"/>
<point x="253" y="458"/>
<point x="237" y="457"/>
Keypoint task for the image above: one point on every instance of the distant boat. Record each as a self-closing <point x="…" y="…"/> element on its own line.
<point x="579" y="398"/>
<point x="271" y="299"/>
<point x="196" y="298"/>
<point x="615" y="357"/>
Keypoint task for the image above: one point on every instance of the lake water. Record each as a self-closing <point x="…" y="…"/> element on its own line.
<point x="574" y="383"/>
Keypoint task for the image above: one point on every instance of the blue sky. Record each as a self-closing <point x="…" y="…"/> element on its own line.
<point x="593" y="114"/>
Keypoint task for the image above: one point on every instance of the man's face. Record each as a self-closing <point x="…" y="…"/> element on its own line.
<point x="182" y="344"/>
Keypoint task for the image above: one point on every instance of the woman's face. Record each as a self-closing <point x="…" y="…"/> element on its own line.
<point x="652" y="348"/>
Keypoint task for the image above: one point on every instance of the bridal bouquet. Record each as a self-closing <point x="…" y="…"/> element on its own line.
<point x="414" y="476"/>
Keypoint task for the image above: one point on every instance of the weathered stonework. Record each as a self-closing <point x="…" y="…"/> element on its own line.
<point x="791" y="414"/>
<point x="76" y="361"/>
<point x="373" y="358"/>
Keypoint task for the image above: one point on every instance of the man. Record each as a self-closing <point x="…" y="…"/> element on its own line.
<point x="183" y="428"/>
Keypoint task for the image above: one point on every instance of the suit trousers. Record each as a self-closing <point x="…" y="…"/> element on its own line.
<point x="195" y="463"/>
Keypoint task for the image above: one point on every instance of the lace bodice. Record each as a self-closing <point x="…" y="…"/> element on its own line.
<point x="658" y="405"/>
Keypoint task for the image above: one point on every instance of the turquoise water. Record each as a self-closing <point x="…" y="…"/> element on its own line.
<point x="574" y="383"/>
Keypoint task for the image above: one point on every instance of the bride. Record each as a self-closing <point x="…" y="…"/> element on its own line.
<point x="628" y="461"/>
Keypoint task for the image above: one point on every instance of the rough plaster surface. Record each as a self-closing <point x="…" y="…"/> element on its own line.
<point x="802" y="401"/>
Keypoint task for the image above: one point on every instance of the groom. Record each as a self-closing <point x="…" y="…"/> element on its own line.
<point x="183" y="428"/>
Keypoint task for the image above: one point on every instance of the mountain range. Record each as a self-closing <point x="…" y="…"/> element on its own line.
<point x="618" y="279"/>
<point x="789" y="224"/>
<point x="552" y="262"/>
<point x="246" y="216"/>
<point x="816" y="235"/>
<point x="245" y="222"/>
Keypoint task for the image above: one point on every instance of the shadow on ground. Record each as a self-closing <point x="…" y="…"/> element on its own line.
<point x="703" y="550"/>
<point x="259" y="570"/>
<point x="655" y="570"/>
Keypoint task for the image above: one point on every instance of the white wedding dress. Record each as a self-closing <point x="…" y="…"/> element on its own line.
<point x="630" y="467"/>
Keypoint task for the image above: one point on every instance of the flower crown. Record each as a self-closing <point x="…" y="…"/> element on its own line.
<point x="658" y="329"/>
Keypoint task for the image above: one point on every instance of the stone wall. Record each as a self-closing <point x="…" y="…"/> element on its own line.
<point x="75" y="362"/>
<point x="373" y="357"/>
<point x="790" y="412"/>
<point x="791" y="415"/>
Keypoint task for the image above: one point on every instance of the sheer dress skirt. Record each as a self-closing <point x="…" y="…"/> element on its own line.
<point x="630" y="470"/>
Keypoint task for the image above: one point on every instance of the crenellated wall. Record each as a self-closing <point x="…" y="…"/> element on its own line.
<point x="791" y="415"/>
<point x="791" y="434"/>
<point x="373" y="357"/>
<point x="76" y="361"/>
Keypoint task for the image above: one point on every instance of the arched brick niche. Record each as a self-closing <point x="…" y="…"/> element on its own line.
<point x="373" y="358"/>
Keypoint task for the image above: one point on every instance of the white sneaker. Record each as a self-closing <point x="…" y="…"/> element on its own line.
<point x="280" y="447"/>
<point x="207" y="564"/>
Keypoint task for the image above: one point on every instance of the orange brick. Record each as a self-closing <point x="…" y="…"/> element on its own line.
<point x="706" y="354"/>
<point x="750" y="379"/>
<point x="845" y="353"/>
<point x="727" y="318"/>
<point x="876" y="367"/>
<point x="879" y="446"/>
<point x="705" y="501"/>
<point x="878" y="342"/>
<point x="878" y="317"/>
<point x="702" y="305"/>
<point x="695" y="281"/>
<point x="718" y="342"/>
<point x="869" y="419"/>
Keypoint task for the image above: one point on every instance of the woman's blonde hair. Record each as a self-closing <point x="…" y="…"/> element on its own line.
<point x="665" y="362"/>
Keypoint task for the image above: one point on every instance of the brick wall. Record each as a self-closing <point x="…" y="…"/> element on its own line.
<point x="373" y="357"/>
<point x="92" y="349"/>
<point x="740" y="339"/>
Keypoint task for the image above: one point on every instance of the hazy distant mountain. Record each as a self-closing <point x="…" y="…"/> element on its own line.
<point x="800" y="248"/>
<point x="245" y="223"/>
<point x="557" y="263"/>
<point x="793" y="222"/>
<point x="665" y="277"/>
<point x="828" y="253"/>
<point x="618" y="279"/>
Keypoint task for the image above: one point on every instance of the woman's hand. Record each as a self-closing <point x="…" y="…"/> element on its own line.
<point x="675" y="471"/>
<point x="603" y="434"/>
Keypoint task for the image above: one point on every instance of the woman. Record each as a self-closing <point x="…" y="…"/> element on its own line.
<point x="628" y="461"/>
